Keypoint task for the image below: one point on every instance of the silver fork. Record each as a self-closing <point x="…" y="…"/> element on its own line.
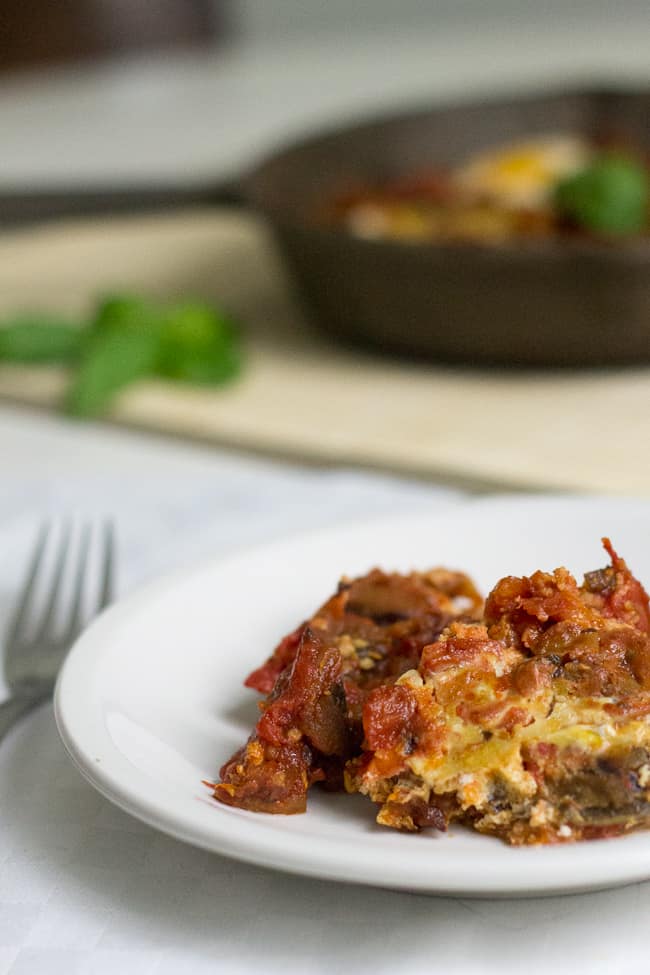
<point x="38" y="639"/>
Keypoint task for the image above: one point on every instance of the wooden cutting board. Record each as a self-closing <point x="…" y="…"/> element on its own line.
<point x="303" y="397"/>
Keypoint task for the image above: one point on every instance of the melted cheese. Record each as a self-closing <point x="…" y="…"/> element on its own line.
<point x="469" y="764"/>
<point x="523" y="174"/>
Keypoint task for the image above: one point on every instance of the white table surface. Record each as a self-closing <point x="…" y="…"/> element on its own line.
<point x="190" y="119"/>
<point x="86" y="890"/>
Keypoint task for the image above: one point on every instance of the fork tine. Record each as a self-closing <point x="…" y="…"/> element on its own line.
<point x="108" y="566"/>
<point x="47" y="619"/>
<point x="17" y="622"/>
<point x="74" y="623"/>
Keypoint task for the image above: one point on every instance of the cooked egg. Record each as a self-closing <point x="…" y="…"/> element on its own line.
<point x="523" y="174"/>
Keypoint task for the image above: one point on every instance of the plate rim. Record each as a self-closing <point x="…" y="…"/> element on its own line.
<point x="248" y="845"/>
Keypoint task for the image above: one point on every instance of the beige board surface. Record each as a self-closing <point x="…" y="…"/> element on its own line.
<point x="304" y="397"/>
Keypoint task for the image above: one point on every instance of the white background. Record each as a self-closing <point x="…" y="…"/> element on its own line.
<point x="192" y="120"/>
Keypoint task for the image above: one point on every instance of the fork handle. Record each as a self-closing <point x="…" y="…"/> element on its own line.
<point x="12" y="710"/>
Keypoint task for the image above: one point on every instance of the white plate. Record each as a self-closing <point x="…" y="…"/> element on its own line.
<point x="150" y="701"/>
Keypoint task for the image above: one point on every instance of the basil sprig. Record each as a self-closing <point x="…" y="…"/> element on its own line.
<point x="128" y="338"/>
<point x="610" y="196"/>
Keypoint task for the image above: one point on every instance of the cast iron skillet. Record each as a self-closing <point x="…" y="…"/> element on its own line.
<point x="554" y="302"/>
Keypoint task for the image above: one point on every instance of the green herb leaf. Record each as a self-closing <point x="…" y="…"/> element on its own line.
<point x="126" y="312"/>
<point x="128" y="339"/>
<point x="211" y="368"/>
<point x="39" y="339"/>
<point x="609" y="196"/>
<point x="110" y="362"/>
<point x="199" y="345"/>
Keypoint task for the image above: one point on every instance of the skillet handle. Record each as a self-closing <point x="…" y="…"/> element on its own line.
<point x="22" y="207"/>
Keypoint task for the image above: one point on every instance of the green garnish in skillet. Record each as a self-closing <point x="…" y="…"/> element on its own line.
<point x="128" y="338"/>
<point x="610" y="196"/>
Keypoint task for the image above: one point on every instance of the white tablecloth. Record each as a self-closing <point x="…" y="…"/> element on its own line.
<point x="86" y="890"/>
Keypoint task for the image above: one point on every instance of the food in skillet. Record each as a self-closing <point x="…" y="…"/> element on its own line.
<point x="531" y="723"/>
<point x="550" y="185"/>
